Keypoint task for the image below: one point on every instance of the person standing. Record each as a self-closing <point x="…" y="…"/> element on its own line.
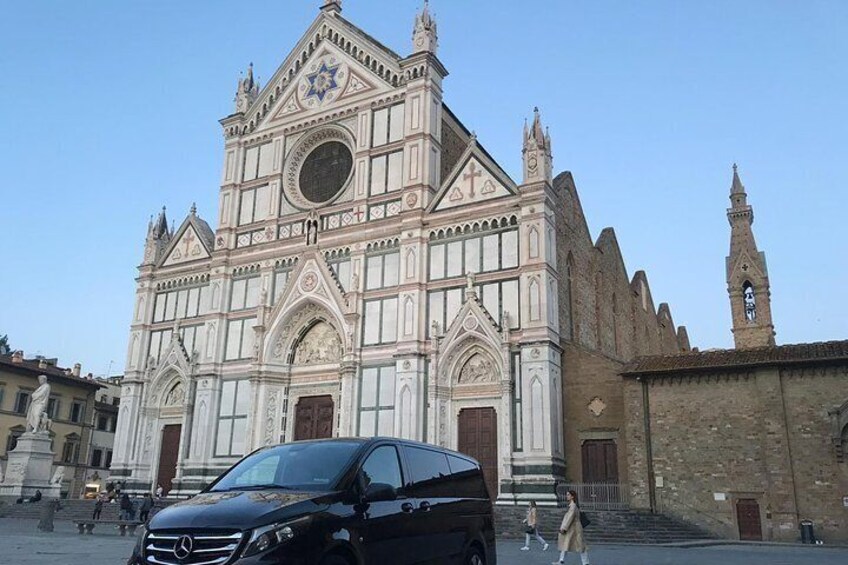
<point x="98" y="507"/>
<point x="48" y="510"/>
<point x="159" y="491"/>
<point x="126" y="506"/>
<point x="571" y="532"/>
<point x="146" y="506"/>
<point x="532" y="528"/>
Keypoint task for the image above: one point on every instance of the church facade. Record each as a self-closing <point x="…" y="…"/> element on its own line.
<point x="375" y="272"/>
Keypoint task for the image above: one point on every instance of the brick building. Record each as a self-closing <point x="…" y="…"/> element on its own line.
<point x="745" y="442"/>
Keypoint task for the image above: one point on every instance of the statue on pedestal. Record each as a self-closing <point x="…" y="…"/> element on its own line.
<point x="38" y="406"/>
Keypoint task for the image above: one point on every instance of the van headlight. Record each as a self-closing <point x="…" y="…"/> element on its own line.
<point x="269" y="537"/>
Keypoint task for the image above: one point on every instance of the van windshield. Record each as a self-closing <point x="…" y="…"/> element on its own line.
<point x="295" y="466"/>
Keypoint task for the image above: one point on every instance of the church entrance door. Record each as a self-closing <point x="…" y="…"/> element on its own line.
<point x="313" y="418"/>
<point x="748" y="519"/>
<point x="478" y="437"/>
<point x="168" y="454"/>
<point x="600" y="461"/>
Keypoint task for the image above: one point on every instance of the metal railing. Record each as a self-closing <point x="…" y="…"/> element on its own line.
<point x="595" y="496"/>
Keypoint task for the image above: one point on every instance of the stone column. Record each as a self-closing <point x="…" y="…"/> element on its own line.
<point x="348" y="399"/>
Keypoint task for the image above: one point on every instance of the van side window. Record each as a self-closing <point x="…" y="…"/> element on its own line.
<point x="466" y="478"/>
<point x="382" y="466"/>
<point x="429" y="472"/>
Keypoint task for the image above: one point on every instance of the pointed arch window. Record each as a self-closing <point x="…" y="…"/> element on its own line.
<point x="569" y="293"/>
<point x="750" y="301"/>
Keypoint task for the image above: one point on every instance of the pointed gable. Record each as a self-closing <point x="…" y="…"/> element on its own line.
<point x="475" y="178"/>
<point x="193" y="242"/>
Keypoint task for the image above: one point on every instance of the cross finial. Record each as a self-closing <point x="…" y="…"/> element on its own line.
<point x="193" y="210"/>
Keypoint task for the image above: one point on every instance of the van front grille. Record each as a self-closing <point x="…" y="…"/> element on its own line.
<point x="196" y="548"/>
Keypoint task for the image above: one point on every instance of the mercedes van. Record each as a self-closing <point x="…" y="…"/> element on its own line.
<point x="379" y="501"/>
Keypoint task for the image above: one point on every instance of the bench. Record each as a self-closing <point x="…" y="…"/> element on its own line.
<point x="86" y="526"/>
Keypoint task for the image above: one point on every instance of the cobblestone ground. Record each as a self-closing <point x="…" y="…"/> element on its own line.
<point x="22" y="544"/>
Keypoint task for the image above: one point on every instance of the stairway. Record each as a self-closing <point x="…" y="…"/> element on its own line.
<point x="624" y="526"/>
<point x="72" y="509"/>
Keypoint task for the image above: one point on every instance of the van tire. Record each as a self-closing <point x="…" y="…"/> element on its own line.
<point x="335" y="560"/>
<point x="474" y="557"/>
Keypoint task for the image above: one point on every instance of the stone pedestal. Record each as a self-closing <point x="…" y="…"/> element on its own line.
<point x="30" y="468"/>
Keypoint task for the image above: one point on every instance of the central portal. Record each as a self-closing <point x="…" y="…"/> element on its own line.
<point x="313" y="417"/>
<point x="478" y="437"/>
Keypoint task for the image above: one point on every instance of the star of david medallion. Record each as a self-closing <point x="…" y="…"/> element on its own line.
<point x="322" y="81"/>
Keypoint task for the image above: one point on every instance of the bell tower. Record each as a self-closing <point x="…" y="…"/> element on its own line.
<point x="747" y="275"/>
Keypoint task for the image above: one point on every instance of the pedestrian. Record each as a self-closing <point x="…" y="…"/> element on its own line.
<point x="532" y="528"/>
<point x="48" y="510"/>
<point x="126" y="506"/>
<point x="571" y="532"/>
<point x="146" y="506"/>
<point x="98" y="507"/>
<point x="159" y="491"/>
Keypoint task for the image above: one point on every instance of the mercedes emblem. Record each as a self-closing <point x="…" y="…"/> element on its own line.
<point x="183" y="547"/>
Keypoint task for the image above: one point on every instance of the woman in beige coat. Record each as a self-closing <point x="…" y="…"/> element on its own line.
<point x="571" y="532"/>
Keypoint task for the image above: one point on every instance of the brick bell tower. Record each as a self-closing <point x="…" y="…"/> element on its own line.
<point x="747" y="275"/>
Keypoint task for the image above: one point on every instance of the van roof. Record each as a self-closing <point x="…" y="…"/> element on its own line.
<point x="365" y="440"/>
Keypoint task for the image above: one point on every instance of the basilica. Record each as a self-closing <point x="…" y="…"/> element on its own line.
<point x="371" y="270"/>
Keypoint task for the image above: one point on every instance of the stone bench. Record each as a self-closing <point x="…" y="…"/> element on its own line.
<point x="86" y="526"/>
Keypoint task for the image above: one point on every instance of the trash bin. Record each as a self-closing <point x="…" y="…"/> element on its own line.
<point x="807" y="534"/>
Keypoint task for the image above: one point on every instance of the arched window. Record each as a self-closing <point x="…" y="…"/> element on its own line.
<point x="750" y="301"/>
<point x="569" y="295"/>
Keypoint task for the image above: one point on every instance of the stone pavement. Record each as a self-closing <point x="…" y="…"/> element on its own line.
<point x="22" y="544"/>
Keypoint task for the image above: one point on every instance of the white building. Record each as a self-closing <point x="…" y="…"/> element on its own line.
<point x="100" y="452"/>
<point x="333" y="298"/>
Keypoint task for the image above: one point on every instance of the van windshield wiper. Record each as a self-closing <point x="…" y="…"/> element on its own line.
<point x="269" y="486"/>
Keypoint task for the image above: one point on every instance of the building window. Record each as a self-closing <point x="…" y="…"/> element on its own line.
<point x="382" y="271"/>
<point x="480" y="254"/>
<point x="387" y="125"/>
<point x="53" y="408"/>
<point x="497" y="297"/>
<point x="517" y="416"/>
<point x="386" y="173"/>
<point x="232" y="418"/>
<point x="116" y="401"/>
<point x="184" y="303"/>
<point x="108" y="462"/>
<point x="281" y="278"/>
<point x="12" y="439"/>
<point x="377" y="401"/>
<point x="341" y="268"/>
<point x="381" y="319"/>
<point x="192" y="337"/>
<point x="96" y="457"/>
<point x="240" y="338"/>
<point x="77" y="411"/>
<point x="70" y="451"/>
<point x="2" y="393"/>
<point x="254" y="205"/>
<point x="159" y="341"/>
<point x="244" y="294"/>
<point x="102" y="423"/>
<point x="22" y="401"/>
<point x="750" y="302"/>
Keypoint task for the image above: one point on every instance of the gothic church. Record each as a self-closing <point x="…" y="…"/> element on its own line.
<point x="374" y="271"/>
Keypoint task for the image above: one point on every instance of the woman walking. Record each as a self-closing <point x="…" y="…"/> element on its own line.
<point x="532" y="528"/>
<point x="571" y="532"/>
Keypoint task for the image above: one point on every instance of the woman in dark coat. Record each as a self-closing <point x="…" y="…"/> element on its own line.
<point x="48" y="510"/>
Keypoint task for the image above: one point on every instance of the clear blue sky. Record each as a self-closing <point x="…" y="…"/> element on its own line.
<point x="108" y="110"/>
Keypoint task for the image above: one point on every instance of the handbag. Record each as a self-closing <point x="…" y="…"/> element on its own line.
<point x="530" y="530"/>
<point x="584" y="520"/>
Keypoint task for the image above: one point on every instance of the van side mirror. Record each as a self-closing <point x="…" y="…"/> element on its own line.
<point x="378" y="492"/>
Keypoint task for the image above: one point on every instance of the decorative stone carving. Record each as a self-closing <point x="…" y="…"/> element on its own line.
<point x="175" y="396"/>
<point x="270" y="418"/>
<point x="283" y="336"/>
<point x="470" y="323"/>
<point x="58" y="476"/>
<point x="38" y="406"/>
<point x="597" y="406"/>
<point x="321" y="344"/>
<point x="309" y="282"/>
<point x="477" y="369"/>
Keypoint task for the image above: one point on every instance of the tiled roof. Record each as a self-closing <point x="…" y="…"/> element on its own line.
<point x="32" y="368"/>
<point x="801" y="353"/>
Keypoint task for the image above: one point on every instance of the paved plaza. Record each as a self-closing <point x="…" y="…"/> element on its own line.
<point x="22" y="544"/>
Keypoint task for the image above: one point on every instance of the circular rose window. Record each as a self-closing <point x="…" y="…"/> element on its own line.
<point x="325" y="171"/>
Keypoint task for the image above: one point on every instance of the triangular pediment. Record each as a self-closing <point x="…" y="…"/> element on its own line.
<point x="191" y="243"/>
<point x="333" y="62"/>
<point x="476" y="178"/>
<point x="746" y="267"/>
<point x="472" y="319"/>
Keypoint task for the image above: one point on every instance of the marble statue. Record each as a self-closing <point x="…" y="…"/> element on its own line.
<point x="58" y="476"/>
<point x="38" y="405"/>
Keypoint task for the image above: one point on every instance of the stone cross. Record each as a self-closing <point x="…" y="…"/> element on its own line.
<point x="472" y="175"/>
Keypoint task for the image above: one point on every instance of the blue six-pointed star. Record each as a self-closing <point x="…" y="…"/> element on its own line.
<point x="322" y="81"/>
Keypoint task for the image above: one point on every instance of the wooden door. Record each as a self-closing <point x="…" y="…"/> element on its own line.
<point x="313" y="418"/>
<point x="168" y="455"/>
<point x="748" y="519"/>
<point x="600" y="461"/>
<point x="478" y="437"/>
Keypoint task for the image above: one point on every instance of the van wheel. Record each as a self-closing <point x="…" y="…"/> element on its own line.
<point x="474" y="557"/>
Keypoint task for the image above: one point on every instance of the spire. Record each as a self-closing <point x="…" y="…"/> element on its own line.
<point x="538" y="160"/>
<point x="160" y="230"/>
<point x="158" y="238"/>
<point x="747" y="275"/>
<point x="425" y="32"/>
<point x="247" y="91"/>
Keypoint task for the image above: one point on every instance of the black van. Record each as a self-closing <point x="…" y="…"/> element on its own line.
<point x="378" y="501"/>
